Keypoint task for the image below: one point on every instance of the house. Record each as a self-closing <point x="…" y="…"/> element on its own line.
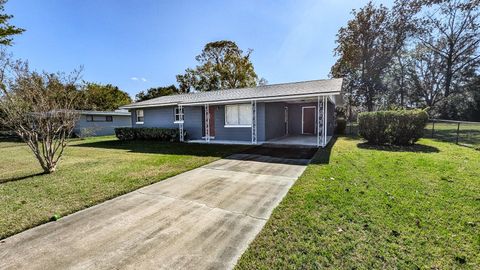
<point x="300" y="113"/>
<point x="100" y="123"/>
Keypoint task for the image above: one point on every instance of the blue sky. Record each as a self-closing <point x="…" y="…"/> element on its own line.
<point x="145" y="43"/>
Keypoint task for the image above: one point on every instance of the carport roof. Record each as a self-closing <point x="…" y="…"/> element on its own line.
<point x="266" y="92"/>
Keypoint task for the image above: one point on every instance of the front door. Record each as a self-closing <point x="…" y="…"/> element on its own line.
<point x="211" y="122"/>
<point x="308" y="120"/>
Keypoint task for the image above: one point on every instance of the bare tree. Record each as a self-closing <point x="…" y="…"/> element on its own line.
<point x="39" y="108"/>
<point x="451" y="29"/>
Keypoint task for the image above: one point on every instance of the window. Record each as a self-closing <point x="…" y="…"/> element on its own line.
<point x="140" y="118"/>
<point x="238" y="115"/>
<point x="178" y="114"/>
<point x="99" y="118"/>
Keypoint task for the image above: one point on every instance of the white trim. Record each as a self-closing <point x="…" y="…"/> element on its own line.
<point x="325" y="114"/>
<point x="139" y="123"/>
<point x="237" y="126"/>
<point x="314" y="119"/>
<point x="178" y="122"/>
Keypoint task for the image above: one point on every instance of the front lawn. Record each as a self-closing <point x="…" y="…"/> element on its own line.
<point x="92" y="171"/>
<point x="364" y="207"/>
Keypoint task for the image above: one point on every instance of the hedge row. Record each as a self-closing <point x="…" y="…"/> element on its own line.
<point x="403" y="127"/>
<point x="160" y="134"/>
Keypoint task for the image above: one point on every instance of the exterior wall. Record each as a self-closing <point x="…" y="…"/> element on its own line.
<point x="295" y="117"/>
<point x="274" y="120"/>
<point x="162" y="117"/>
<point x="85" y="128"/>
<point x="239" y="133"/>
<point x="270" y="121"/>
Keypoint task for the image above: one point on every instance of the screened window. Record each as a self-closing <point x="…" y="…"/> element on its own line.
<point x="140" y="118"/>
<point x="239" y="115"/>
<point x="99" y="118"/>
<point x="179" y="114"/>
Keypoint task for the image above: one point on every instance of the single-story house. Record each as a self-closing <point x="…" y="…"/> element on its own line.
<point x="101" y="123"/>
<point x="300" y="113"/>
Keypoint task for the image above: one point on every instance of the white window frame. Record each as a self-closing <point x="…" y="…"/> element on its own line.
<point x="238" y="115"/>
<point x="178" y="115"/>
<point x="136" y="116"/>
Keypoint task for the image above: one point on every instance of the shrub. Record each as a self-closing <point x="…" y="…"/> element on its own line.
<point x="160" y="134"/>
<point x="340" y="126"/>
<point x="392" y="127"/>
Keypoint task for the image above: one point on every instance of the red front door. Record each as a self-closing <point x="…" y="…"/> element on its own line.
<point x="308" y="120"/>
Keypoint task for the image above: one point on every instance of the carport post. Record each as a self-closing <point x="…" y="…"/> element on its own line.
<point x="207" y="123"/>
<point x="254" y="122"/>
<point x="180" y="124"/>
<point x="319" y="120"/>
<point x="325" y="115"/>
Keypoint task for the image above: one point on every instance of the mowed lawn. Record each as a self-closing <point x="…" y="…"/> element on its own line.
<point x="91" y="171"/>
<point x="362" y="207"/>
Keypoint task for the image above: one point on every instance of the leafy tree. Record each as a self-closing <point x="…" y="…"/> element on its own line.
<point x="222" y="65"/>
<point x="104" y="97"/>
<point x="156" y="92"/>
<point x="367" y="46"/>
<point x="39" y="108"/>
<point x="7" y="30"/>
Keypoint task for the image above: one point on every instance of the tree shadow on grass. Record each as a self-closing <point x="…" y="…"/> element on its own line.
<point x="166" y="148"/>
<point x="416" y="148"/>
<point x="18" y="178"/>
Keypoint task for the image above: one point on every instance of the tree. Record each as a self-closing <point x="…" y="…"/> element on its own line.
<point x="222" y="65"/>
<point x="156" y="92"/>
<point x="104" y="97"/>
<point x="367" y="46"/>
<point x="451" y="29"/>
<point x="39" y="108"/>
<point x="7" y="30"/>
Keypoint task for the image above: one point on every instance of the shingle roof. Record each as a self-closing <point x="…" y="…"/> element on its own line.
<point x="316" y="87"/>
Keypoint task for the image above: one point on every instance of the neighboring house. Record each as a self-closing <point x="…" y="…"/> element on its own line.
<point x="100" y="123"/>
<point x="291" y="113"/>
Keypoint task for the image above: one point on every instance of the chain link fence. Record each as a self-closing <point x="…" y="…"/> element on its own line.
<point x="459" y="132"/>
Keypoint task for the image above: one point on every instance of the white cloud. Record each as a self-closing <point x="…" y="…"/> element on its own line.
<point x="138" y="79"/>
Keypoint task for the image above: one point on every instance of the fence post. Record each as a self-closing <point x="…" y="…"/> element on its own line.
<point x="458" y="131"/>
<point x="433" y="127"/>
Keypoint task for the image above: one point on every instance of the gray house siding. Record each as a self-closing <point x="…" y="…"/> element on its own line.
<point x="162" y="117"/>
<point x="270" y="121"/>
<point x="275" y="120"/>
<point x="100" y="127"/>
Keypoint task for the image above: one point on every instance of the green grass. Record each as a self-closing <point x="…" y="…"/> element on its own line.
<point x="91" y="171"/>
<point x="468" y="134"/>
<point x="362" y="207"/>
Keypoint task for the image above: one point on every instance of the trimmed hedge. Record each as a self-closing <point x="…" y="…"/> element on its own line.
<point x="160" y="134"/>
<point x="392" y="127"/>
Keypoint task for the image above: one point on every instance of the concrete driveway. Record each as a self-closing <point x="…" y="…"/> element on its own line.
<point x="201" y="219"/>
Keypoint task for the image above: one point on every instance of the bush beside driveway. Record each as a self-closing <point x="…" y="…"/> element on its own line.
<point x="92" y="171"/>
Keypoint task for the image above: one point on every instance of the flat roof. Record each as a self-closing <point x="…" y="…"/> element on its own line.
<point x="266" y="92"/>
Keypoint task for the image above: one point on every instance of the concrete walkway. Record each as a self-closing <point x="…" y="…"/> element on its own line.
<point x="201" y="219"/>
